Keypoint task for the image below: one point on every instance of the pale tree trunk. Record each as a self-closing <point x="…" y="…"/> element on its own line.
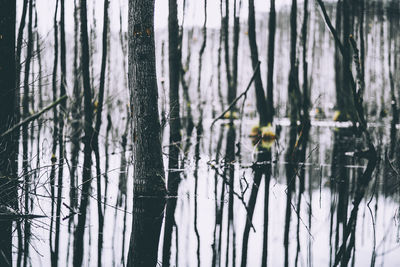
<point x="148" y="172"/>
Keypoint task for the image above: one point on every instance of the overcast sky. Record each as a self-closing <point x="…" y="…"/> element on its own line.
<point x="195" y="14"/>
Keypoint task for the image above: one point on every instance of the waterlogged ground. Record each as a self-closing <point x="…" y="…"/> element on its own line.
<point x="201" y="236"/>
<point x="218" y="162"/>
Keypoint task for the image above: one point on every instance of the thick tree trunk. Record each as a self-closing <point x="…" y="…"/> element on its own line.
<point x="149" y="185"/>
<point x="8" y="191"/>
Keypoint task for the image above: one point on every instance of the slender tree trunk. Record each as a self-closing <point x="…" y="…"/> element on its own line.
<point x="236" y="34"/>
<point x="260" y="96"/>
<point x="87" y="140"/>
<point x="293" y="74"/>
<point x="174" y="136"/>
<point x="306" y="92"/>
<point x="25" y="106"/>
<point x="60" y="131"/>
<point x="225" y="33"/>
<point x="148" y="171"/>
<point x="76" y="117"/>
<point x="97" y="132"/>
<point x="18" y="57"/>
<point x="8" y="185"/>
<point x="271" y="58"/>
<point x="54" y="136"/>
<point x="174" y="69"/>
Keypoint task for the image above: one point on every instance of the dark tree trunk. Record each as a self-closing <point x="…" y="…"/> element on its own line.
<point x="148" y="171"/>
<point x="348" y="108"/>
<point x="225" y="32"/>
<point x="8" y="189"/>
<point x="87" y="140"/>
<point x="271" y="58"/>
<point x="174" y="69"/>
<point x="18" y="58"/>
<point x="25" y="160"/>
<point x="306" y="92"/>
<point x="236" y="33"/>
<point x="293" y="88"/>
<point x="260" y="96"/>
<point x="54" y="136"/>
<point x="60" y="131"/>
<point x="174" y="132"/>
<point x="76" y="117"/>
<point x="97" y="132"/>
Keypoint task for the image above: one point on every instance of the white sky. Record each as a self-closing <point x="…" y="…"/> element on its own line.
<point x="195" y="14"/>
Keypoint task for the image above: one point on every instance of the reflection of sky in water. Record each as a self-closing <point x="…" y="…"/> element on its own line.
<point x="321" y="142"/>
<point x="386" y="227"/>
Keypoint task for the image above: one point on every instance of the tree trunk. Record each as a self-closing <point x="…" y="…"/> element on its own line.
<point x="271" y="58"/>
<point x="260" y="96"/>
<point x="8" y="190"/>
<point x="175" y="126"/>
<point x="174" y="69"/>
<point x="148" y="171"/>
<point x="293" y="74"/>
<point x="54" y="136"/>
<point x="87" y="140"/>
<point x="97" y="132"/>
<point x="25" y="162"/>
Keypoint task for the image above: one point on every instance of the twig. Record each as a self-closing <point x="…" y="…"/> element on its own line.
<point x="240" y="96"/>
<point x="34" y="116"/>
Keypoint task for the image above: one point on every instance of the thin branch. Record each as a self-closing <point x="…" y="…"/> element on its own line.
<point x="34" y="116"/>
<point x="240" y="96"/>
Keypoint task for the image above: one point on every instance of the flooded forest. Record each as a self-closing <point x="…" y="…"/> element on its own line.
<point x="199" y="133"/>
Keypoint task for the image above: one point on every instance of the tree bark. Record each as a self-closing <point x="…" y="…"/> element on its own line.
<point x="271" y="58"/>
<point x="175" y="126"/>
<point x="25" y="106"/>
<point x="260" y="95"/>
<point x="148" y="171"/>
<point x="87" y="140"/>
<point x="174" y="74"/>
<point x="8" y="190"/>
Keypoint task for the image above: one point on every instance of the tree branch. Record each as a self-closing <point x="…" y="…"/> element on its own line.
<point x="240" y="96"/>
<point x="34" y="116"/>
